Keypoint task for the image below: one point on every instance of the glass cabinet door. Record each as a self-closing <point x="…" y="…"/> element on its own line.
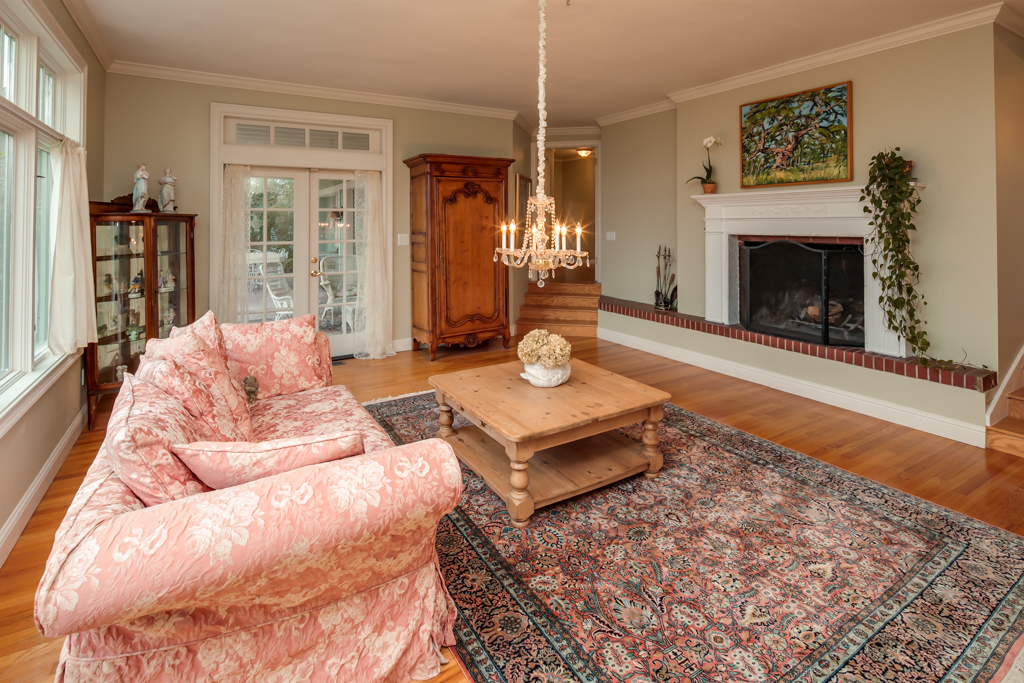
<point x="172" y="275"/>
<point x="120" y="298"/>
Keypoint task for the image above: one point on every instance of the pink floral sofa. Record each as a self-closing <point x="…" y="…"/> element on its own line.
<point x="322" y="573"/>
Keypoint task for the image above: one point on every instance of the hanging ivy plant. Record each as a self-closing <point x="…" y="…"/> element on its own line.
<point x="892" y="201"/>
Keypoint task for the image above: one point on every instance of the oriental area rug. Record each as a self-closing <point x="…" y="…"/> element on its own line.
<point x="743" y="561"/>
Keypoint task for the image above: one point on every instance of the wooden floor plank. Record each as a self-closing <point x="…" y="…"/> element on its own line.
<point x="984" y="484"/>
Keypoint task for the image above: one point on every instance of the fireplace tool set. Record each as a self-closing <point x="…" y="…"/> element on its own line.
<point x="666" y="291"/>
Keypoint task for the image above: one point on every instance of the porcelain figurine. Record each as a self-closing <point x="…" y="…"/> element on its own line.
<point x="141" y="192"/>
<point x="171" y="280"/>
<point x="169" y="316"/>
<point x="136" y="286"/>
<point x="165" y="200"/>
<point x="160" y="280"/>
<point x="108" y="282"/>
<point x="122" y="286"/>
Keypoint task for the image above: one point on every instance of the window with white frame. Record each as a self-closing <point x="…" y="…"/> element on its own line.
<point x="42" y="96"/>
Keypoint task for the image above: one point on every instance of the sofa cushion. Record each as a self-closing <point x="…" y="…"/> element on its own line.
<point x="143" y="424"/>
<point x="189" y="349"/>
<point x="282" y="356"/>
<point x="208" y="330"/>
<point x="320" y="411"/>
<point x="213" y="419"/>
<point x="220" y="465"/>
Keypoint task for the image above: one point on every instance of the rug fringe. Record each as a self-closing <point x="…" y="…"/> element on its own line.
<point x="395" y="398"/>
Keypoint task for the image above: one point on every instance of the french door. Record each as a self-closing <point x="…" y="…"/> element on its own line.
<point x="304" y="255"/>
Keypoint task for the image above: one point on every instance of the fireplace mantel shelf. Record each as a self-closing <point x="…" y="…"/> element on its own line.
<point x="964" y="376"/>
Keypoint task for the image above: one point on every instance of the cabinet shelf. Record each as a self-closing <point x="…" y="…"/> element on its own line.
<point x="121" y="257"/>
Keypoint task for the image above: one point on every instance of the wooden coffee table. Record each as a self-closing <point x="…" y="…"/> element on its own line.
<point x="534" y="447"/>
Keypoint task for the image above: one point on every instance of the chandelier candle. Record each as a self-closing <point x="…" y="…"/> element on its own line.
<point x="538" y="253"/>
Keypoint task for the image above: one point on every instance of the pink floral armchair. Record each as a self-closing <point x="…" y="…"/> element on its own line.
<point x="323" y="573"/>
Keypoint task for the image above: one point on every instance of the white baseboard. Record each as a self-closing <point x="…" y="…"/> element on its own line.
<point x="403" y="344"/>
<point x="16" y="523"/>
<point x="931" y="423"/>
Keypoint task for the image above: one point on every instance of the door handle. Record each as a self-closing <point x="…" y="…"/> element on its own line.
<point x="316" y="273"/>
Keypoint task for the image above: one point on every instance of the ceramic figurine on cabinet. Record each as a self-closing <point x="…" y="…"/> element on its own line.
<point x="122" y="287"/>
<point x="108" y="282"/>
<point x="169" y="316"/>
<point x="119" y="372"/>
<point x="171" y="280"/>
<point x="136" y="286"/>
<point x="165" y="200"/>
<point x="133" y="318"/>
<point x="141" y="192"/>
<point x="160" y="280"/>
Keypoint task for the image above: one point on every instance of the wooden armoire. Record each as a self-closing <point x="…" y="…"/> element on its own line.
<point x="459" y="293"/>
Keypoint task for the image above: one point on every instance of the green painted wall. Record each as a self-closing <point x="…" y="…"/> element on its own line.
<point x="1009" y="80"/>
<point x="638" y="203"/>
<point x="167" y="123"/>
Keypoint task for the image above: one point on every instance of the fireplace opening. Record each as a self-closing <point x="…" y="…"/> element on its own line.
<point x="783" y="284"/>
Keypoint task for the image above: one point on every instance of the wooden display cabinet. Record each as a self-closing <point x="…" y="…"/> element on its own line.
<point x="144" y="270"/>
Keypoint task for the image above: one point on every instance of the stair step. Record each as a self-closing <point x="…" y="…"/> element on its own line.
<point x="527" y="314"/>
<point x="1007" y="436"/>
<point x="1016" y="403"/>
<point x="555" y="328"/>
<point x="589" y="288"/>
<point x="561" y="301"/>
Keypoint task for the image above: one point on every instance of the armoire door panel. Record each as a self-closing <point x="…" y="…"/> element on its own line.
<point x="470" y="221"/>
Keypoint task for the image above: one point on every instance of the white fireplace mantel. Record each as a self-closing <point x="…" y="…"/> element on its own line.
<point x="817" y="212"/>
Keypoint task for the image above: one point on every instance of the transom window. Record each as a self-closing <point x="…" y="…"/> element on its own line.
<point x="8" y="62"/>
<point x="46" y="103"/>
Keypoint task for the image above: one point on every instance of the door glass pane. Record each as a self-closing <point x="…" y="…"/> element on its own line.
<point x="9" y="50"/>
<point x="44" y="188"/>
<point x="336" y="251"/>
<point x="45" y="96"/>
<point x="172" y="277"/>
<point x="6" y="173"/>
<point x="271" y="261"/>
<point x="120" y="298"/>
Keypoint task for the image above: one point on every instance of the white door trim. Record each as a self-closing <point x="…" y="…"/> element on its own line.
<point x="305" y="159"/>
<point x="569" y="144"/>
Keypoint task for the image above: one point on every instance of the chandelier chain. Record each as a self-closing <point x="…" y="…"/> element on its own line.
<point x="541" y="103"/>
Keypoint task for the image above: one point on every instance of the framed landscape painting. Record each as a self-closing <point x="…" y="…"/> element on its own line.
<point x="800" y="138"/>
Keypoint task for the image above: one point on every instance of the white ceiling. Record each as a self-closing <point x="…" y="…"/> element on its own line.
<point x="604" y="56"/>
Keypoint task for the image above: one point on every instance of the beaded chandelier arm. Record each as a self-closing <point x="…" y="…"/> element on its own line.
<point x="540" y="209"/>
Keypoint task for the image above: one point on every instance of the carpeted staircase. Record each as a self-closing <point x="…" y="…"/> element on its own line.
<point x="1007" y="435"/>
<point x="565" y="308"/>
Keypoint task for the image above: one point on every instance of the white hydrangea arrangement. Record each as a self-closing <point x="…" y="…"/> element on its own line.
<point x="550" y="350"/>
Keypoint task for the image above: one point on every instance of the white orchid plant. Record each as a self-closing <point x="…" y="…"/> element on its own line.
<point x="709" y="142"/>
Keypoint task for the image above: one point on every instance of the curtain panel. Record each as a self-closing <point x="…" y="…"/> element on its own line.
<point x="230" y="248"/>
<point x="72" y="315"/>
<point x="373" y="300"/>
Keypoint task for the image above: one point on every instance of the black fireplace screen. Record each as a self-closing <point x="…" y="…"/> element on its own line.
<point x="783" y="285"/>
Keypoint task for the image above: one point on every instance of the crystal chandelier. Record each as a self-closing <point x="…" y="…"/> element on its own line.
<point x="538" y="251"/>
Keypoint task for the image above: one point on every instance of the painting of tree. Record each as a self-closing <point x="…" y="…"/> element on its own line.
<point x="799" y="138"/>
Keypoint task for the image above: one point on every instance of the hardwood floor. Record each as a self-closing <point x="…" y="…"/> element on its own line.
<point x="985" y="484"/>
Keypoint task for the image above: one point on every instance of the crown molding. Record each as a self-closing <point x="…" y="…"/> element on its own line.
<point x="523" y="123"/>
<point x="81" y="15"/>
<point x="645" y="110"/>
<point x="931" y="29"/>
<point x="1011" y="20"/>
<point x="225" y="81"/>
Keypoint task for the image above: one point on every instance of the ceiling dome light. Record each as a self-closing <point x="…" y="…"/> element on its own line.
<point x="584" y="152"/>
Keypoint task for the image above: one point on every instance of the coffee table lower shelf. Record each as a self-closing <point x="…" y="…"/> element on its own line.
<point x="554" y="473"/>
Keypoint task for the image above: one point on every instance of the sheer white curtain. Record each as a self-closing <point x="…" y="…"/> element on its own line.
<point x="373" y="304"/>
<point x="72" y="290"/>
<point x="231" y="248"/>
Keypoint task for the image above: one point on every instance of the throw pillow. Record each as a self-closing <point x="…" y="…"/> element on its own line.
<point x="282" y="355"/>
<point x="213" y="419"/>
<point x="143" y="424"/>
<point x="208" y="330"/>
<point x="220" y="465"/>
<point x="197" y="357"/>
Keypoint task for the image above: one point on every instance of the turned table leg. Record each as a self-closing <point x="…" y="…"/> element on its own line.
<point x="520" y="501"/>
<point x="651" y="449"/>
<point x="445" y="417"/>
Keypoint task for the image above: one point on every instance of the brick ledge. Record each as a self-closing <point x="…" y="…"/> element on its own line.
<point x="966" y="377"/>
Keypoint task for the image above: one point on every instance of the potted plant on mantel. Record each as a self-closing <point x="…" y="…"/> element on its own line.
<point x="706" y="181"/>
